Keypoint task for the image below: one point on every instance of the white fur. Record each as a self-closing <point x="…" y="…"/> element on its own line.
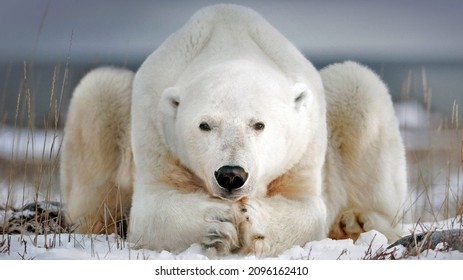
<point x="228" y="68"/>
<point x="96" y="169"/>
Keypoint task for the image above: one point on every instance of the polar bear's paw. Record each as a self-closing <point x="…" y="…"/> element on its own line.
<point x="221" y="236"/>
<point x="349" y="224"/>
<point x="251" y="229"/>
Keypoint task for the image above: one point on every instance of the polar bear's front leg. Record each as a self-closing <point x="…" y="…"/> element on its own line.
<point x="269" y="226"/>
<point x="166" y="219"/>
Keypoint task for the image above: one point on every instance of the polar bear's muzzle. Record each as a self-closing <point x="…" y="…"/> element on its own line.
<point x="231" y="178"/>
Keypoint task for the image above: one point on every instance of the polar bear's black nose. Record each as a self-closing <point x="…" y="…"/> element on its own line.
<point x="231" y="177"/>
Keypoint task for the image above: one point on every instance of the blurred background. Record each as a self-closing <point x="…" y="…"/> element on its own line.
<point x="416" y="46"/>
<point x="403" y="40"/>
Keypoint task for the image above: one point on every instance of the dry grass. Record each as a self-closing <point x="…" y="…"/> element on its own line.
<point x="29" y="183"/>
<point x="435" y="161"/>
<point x="36" y="175"/>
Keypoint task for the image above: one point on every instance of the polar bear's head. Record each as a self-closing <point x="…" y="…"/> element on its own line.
<point x="237" y="125"/>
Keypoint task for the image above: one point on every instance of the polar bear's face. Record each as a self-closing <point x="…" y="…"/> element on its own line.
<point x="237" y="126"/>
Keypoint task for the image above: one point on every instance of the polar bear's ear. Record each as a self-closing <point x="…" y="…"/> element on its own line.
<point x="302" y="95"/>
<point x="170" y="100"/>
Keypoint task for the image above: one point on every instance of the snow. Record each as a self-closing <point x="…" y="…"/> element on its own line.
<point x="88" y="247"/>
<point x="26" y="144"/>
<point x="16" y="144"/>
<point x="412" y="114"/>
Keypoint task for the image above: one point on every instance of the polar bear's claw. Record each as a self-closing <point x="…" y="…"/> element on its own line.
<point x="221" y="236"/>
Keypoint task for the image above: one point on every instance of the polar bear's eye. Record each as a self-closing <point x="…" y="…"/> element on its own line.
<point x="258" y="126"/>
<point x="204" y="126"/>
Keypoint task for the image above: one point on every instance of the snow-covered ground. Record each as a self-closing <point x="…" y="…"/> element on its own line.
<point x="370" y="245"/>
<point x="441" y="193"/>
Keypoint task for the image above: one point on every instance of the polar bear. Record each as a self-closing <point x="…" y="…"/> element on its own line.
<point x="228" y="137"/>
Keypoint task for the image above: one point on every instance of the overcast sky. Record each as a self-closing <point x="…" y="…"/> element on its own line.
<point x="393" y="29"/>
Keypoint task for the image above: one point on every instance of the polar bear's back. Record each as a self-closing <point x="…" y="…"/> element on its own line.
<point x="215" y="33"/>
